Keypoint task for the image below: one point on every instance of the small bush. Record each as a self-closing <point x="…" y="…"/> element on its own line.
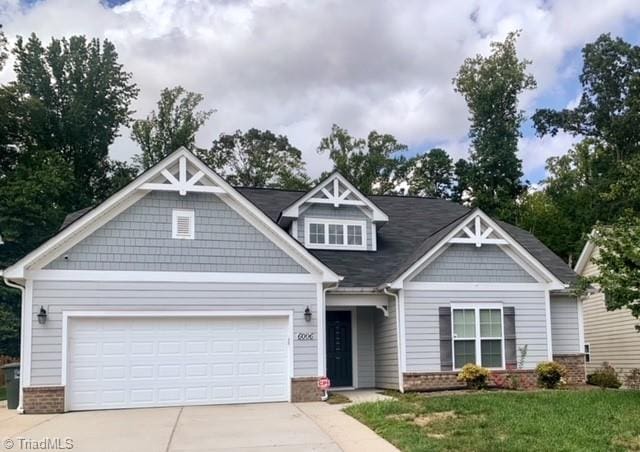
<point x="475" y="377"/>
<point x="605" y="377"/>
<point x="550" y="374"/>
<point x="633" y="379"/>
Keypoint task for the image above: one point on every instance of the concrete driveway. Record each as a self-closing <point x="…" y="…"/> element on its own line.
<point x="256" y="427"/>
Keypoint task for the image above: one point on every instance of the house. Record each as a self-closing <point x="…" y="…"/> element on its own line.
<point x="609" y="336"/>
<point x="182" y="290"/>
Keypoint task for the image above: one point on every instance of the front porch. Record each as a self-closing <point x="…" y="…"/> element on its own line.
<point x="361" y="342"/>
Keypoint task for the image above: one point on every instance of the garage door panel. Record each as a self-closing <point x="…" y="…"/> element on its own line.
<point x="144" y="362"/>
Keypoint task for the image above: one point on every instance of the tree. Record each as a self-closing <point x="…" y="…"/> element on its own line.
<point x="430" y="174"/>
<point x="491" y="86"/>
<point x="257" y="158"/>
<point x="463" y="171"/>
<point x="371" y="165"/>
<point x="609" y="108"/>
<point x="619" y="263"/>
<point x="174" y="125"/>
<point x="84" y="96"/>
<point x="3" y="49"/>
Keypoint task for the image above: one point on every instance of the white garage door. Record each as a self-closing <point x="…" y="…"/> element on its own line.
<point x="163" y="361"/>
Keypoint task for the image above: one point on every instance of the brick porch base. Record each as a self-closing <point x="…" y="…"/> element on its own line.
<point x="576" y="367"/>
<point x="305" y="389"/>
<point x="43" y="399"/>
<point x="433" y="381"/>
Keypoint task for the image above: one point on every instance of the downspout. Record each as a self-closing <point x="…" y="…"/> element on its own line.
<point x="397" y="299"/>
<point x="19" y="410"/>
<point x="325" y="396"/>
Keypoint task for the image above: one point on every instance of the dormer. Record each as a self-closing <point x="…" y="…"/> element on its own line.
<point x="334" y="216"/>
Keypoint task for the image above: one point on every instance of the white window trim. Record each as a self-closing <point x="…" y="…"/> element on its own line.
<point x="326" y="222"/>
<point x="477" y="307"/>
<point x="192" y="227"/>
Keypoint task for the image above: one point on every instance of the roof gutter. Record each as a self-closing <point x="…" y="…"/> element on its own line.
<point x="23" y="318"/>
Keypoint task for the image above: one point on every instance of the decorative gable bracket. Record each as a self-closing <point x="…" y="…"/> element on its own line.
<point x="478" y="236"/>
<point x="336" y="198"/>
<point x="183" y="183"/>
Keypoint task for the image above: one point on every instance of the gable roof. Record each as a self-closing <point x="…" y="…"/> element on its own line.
<point x="335" y="179"/>
<point x="415" y="226"/>
<point x="202" y="179"/>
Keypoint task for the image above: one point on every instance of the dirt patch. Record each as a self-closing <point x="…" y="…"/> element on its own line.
<point x="430" y="418"/>
<point x="335" y="398"/>
<point x="400" y="417"/>
<point x="628" y="442"/>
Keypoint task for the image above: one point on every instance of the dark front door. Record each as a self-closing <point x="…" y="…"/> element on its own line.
<point x="339" y="358"/>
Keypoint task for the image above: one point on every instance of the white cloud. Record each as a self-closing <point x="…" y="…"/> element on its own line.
<point x="534" y="151"/>
<point x="296" y="67"/>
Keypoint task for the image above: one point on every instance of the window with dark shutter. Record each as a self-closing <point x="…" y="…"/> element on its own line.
<point x="446" y="359"/>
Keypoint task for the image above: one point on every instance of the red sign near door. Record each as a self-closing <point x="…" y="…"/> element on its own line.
<point x="324" y="383"/>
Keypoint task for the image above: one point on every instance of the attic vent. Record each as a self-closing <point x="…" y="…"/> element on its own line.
<point x="183" y="224"/>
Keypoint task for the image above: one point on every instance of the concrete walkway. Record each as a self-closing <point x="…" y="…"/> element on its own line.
<point x="239" y="428"/>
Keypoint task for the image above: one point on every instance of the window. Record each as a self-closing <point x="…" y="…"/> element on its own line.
<point x="477" y="336"/>
<point x="183" y="224"/>
<point x="587" y="353"/>
<point x="335" y="234"/>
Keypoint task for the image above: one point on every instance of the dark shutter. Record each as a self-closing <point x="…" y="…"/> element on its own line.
<point x="446" y="360"/>
<point x="511" y="354"/>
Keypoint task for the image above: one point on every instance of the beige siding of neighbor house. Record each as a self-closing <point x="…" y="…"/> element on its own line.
<point x="611" y="335"/>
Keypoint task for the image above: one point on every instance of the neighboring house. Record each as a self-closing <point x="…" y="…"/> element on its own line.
<point x="182" y="290"/>
<point x="609" y="336"/>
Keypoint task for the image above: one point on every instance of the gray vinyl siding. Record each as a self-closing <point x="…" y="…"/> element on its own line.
<point x="565" y="335"/>
<point x="422" y="329"/>
<point x="386" y="347"/>
<point x="139" y="239"/>
<point x="366" y="359"/>
<point x="468" y="263"/>
<point x="325" y="211"/>
<point x="57" y="296"/>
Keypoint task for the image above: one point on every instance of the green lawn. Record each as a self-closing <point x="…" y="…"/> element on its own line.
<point x="508" y="421"/>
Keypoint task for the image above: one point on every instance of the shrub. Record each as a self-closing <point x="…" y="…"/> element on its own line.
<point x="550" y="374"/>
<point x="605" y="377"/>
<point x="633" y="379"/>
<point x="475" y="377"/>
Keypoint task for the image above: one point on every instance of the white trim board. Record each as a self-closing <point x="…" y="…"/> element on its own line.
<point x="144" y="276"/>
<point x="475" y="286"/>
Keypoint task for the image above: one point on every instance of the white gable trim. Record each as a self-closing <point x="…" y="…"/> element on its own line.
<point x="585" y="256"/>
<point x="510" y="244"/>
<point x="335" y="198"/>
<point x="137" y="189"/>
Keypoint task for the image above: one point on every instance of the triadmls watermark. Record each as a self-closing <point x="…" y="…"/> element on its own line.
<point x="44" y="443"/>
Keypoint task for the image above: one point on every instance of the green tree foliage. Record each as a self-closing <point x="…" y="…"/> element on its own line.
<point x="3" y="49"/>
<point x="491" y="86"/>
<point x="370" y="164"/>
<point x="609" y="110"/>
<point x="598" y="179"/>
<point x="84" y="96"/>
<point x="619" y="263"/>
<point x="175" y="124"/>
<point x="257" y="158"/>
<point x="430" y="174"/>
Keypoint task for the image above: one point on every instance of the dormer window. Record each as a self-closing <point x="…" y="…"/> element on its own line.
<point x="335" y="234"/>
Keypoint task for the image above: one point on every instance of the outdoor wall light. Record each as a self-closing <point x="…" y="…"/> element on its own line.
<point x="42" y="316"/>
<point x="307" y="314"/>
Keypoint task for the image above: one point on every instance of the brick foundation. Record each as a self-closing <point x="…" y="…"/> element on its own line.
<point x="43" y="399"/>
<point x="576" y="367"/>
<point x="434" y="381"/>
<point x="305" y="389"/>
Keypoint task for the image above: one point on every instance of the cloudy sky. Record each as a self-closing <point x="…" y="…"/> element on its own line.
<point x="297" y="67"/>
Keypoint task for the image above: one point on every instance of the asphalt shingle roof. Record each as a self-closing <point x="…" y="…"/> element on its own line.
<point x="415" y="226"/>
